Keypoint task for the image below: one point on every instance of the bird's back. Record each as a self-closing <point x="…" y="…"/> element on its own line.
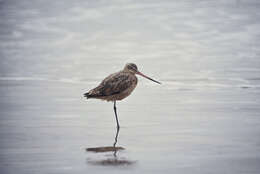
<point x="116" y="86"/>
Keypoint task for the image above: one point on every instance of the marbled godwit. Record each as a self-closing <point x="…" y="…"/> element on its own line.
<point x="117" y="86"/>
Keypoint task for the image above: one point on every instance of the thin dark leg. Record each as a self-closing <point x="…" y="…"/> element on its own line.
<point x="117" y="131"/>
<point x="114" y="145"/>
<point x="116" y="115"/>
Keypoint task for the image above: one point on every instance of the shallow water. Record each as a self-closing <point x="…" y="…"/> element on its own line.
<point x="204" y="118"/>
<point x="47" y="126"/>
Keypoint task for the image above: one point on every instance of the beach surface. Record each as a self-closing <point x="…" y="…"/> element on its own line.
<point x="46" y="127"/>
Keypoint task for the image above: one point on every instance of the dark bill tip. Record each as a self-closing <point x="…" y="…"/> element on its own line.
<point x="141" y="74"/>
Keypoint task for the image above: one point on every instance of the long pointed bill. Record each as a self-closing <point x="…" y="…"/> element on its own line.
<point x="141" y="74"/>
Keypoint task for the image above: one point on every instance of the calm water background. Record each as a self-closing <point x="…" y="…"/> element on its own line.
<point x="203" y="119"/>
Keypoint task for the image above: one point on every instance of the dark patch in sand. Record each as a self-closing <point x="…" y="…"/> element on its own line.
<point x="245" y="87"/>
<point x="104" y="149"/>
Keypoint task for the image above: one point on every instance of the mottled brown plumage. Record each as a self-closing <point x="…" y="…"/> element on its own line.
<point x="117" y="86"/>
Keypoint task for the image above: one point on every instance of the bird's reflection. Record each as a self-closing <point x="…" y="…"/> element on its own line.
<point x="109" y="161"/>
<point x="113" y="148"/>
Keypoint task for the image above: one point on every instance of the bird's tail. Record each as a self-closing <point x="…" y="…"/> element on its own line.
<point x="87" y="95"/>
<point x="92" y="94"/>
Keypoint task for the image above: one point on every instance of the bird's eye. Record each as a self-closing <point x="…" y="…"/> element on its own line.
<point x="133" y="67"/>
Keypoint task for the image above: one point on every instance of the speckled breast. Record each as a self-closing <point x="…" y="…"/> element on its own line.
<point x="125" y="93"/>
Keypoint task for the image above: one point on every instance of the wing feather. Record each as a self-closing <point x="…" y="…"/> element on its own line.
<point x="113" y="84"/>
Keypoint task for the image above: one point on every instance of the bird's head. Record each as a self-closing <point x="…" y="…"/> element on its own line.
<point x="132" y="68"/>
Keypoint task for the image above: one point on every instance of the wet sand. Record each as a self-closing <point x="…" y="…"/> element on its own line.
<point x="46" y="127"/>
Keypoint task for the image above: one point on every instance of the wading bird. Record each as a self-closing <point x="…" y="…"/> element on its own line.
<point x="117" y="86"/>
